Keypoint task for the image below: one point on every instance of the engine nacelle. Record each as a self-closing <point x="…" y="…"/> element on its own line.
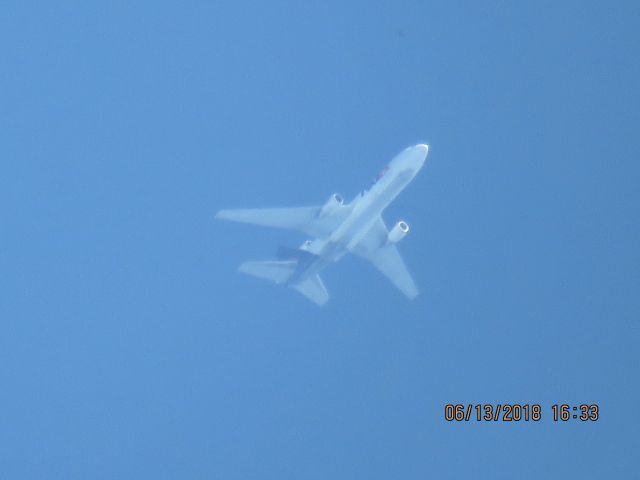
<point x="332" y="204"/>
<point x="398" y="232"/>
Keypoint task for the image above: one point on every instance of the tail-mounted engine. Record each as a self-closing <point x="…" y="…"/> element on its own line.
<point x="398" y="232"/>
<point x="332" y="204"/>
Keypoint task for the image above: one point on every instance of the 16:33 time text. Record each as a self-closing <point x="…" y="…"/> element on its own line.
<point x="517" y="412"/>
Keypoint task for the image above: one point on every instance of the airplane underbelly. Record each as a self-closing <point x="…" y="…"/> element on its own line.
<point x="368" y="210"/>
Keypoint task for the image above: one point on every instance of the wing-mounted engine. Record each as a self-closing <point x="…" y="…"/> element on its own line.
<point x="398" y="232"/>
<point x="335" y="201"/>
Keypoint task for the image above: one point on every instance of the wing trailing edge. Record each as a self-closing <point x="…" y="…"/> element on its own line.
<point x="307" y="220"/>
<point x="386" y="258"/>
<point x="297" y="218"/>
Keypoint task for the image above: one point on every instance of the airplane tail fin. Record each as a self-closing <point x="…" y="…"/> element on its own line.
<point x="281" y="271"/>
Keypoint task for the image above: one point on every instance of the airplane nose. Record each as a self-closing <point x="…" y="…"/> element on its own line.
<point x="411" y="159"/>
<point x="420" y="156"/>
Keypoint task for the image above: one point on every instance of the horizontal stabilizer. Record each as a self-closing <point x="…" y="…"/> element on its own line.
<point x="278" y="272"/>
<point x="313" y="289"/>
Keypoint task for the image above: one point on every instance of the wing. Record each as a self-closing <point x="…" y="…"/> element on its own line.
<point x="303" y="219"/>
<point x="386" y="258"/>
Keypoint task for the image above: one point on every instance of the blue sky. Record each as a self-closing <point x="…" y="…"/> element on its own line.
<point x="130" y="346"/>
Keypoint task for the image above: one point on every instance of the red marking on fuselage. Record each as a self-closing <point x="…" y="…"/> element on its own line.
<point x="382" y="172"/>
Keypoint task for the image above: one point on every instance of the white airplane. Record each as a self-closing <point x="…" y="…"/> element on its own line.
<point x="338" y="229"/>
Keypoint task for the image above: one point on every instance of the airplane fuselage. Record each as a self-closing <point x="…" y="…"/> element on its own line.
<point x="365" y="210"/>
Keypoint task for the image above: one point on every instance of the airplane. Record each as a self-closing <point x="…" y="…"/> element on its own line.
<point x="337" y="229"/>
